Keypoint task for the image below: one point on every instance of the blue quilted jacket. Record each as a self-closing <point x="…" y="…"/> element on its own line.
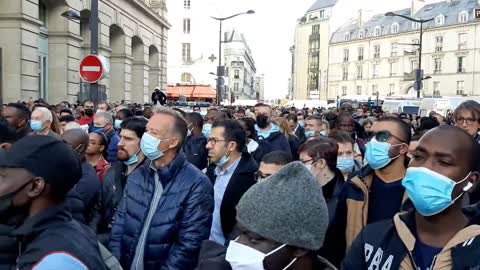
<point x="181" y="221"/>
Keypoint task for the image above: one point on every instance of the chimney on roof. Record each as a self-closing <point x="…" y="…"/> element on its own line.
<point x="417" y="5"/>
<point x="360" y="18"/>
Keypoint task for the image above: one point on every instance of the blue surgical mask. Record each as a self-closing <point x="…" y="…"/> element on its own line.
<point x="301" y="123"/>
<point x="118" y="122"/>
<point x="309" y="133"/>
<point x="207" y="130"/>
<point x="36" y="125"/>
<point x="133" y="159"/>
<point x="377" y="154"/>
<point x="224" y="160"/>
<point x="431" y="192"/>
<point x="345" y="165"/>
<point x="149" y="146"/>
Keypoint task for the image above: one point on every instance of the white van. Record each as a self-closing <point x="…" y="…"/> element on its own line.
<point x="410" y="106"/>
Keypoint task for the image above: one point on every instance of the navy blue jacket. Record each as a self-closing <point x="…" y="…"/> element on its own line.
<point x="181" y="222"/>
<point x="195" y="148"/>
<point x="276" y="141"/>
<point x="81" y="199"/>
<point x="112" y="146"/>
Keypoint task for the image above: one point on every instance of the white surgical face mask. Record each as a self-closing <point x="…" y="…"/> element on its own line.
<point x="242" y="257"/>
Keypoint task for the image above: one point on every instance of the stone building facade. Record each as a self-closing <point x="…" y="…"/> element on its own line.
<point x="40" y="50"/>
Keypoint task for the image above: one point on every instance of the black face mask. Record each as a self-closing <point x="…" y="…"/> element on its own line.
<point x="262" y="121"/>
<point x="11" y="213"/>
<point x="89" y="112"/>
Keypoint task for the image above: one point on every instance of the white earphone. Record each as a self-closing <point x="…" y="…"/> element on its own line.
<point x="468" y="187"/>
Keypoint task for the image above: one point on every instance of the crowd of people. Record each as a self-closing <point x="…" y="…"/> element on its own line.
<point x="148" y="187"/>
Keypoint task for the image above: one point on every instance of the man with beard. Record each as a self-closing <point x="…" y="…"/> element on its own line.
<point x="18" y="117"/>
<point x="270" y="137"/>
<point x="87" y="119"/>
<point x="130" y="157"/>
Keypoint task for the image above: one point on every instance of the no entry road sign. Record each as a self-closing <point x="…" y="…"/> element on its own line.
<point x="93" y="68"/>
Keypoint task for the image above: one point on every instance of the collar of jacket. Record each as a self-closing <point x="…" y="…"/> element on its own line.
<point x="405" y="224"/>
<point x="169" y="172"/>
<point x="247" y="164"/>
<point x="42" y="221"/>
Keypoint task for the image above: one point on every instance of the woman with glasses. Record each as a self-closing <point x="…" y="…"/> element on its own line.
<point x="319" y="155"/>
<point x="97" y="152"/>
<point x="467" y="117"/>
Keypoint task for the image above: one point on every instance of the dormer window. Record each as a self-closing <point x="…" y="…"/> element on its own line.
<point x="361" y="33"/>
<point x="440" y="20"/>
<point x="377" y="31"/>
<point x="415" y="25"/>
<point x="463" y="17"/>
<point x="394" y="28"/>
<point x="347" y="36"/>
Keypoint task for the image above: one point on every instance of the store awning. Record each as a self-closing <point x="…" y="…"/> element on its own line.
<point x="191" y="91"/>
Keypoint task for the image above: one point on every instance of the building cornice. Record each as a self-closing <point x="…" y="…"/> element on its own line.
<point x="147" y="10"/>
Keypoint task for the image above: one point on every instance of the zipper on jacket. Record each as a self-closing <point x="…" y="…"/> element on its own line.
<point x="410" y="255"/>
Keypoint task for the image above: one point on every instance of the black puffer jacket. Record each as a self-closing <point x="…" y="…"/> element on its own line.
<point x="8" y="248"/>
<point x="109" y="197"/>
<point x="81" y="199"/>
<point x="196" y="152"/>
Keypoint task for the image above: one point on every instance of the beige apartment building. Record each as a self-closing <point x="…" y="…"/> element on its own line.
<point x="310" y="52"/>
<point x="40" y="50"/>
<point x="378" y="56"/>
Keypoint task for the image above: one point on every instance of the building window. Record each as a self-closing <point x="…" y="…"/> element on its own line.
<point x="438" y="66"/>
<point x="345" y="55"/>
<point x="415" y="25"/>
<point x="360" y="53"/>
<point x="462" y="41"/>
<point x="394" y="49"/>
<point x="440" y="20"/>
<point x="377" y="31"/>
<point x="186" y="26"/>
<point x="376" y="51"/>
<point x="460" y="88"/>
<point x="186" y="77"/>
<point x="315" y="29"/>
<point x="42" y="13"/>
<point x="345" y="74"/>
<point x="391" y="90"/>
<point x="438" y="43"/>
<point x="359" y="72"/>
<point x="463" y="17"/>
<point x="359" y="89"/>
<point x="361" y="33"/>
<point x="413" y="65"/>
<point x="394" y="28"/>
<point x="186" y="4"/>
<point x="236" y="73"/>
<point x="374" y="89"/>
<point x="461" y="64"/>
<point x="322" y="14"/>
<point x="344" y="90"/>
<point x="436" y="89"/>
<point x="347" y="36"/>
<point x="186" y="52"/>
<point x="375" y="70"/>
<point x="393" y="69"/>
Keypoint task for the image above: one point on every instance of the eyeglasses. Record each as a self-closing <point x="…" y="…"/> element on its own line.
<point x="468" y="121"/>
<point x="383" y="136"/>
<point x="213" y="141"/>
<point x="259" y="176"/>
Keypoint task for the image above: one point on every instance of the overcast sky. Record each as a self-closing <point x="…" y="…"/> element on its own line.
<point x="270" y="32"/>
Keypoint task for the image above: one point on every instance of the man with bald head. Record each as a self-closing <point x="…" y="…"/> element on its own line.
<point x="81" y="198"/>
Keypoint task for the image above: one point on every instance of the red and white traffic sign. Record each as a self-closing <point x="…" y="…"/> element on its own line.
<point x="92" y="68"/>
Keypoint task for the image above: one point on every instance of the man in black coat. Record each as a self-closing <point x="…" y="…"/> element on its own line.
<point x="233" y="175"/>
<point x="158" y="97"/>
<point x="296" y="127"/>
<point x="195" y="144"/>
<point x="37" y="174"/>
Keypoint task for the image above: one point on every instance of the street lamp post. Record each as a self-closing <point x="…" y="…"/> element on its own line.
<point x="93" y="23"/>
<point x="220" y="70"/>
<point x="418" y="72"/>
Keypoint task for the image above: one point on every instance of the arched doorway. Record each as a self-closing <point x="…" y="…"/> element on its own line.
<point x="154" y="62"/>
<point x="139" y="70"/>
<point x="119" y="88"/>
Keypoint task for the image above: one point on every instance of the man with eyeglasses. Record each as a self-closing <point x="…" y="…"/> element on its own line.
<point x="233" y="175"/>
<point x="467" y="117"/>
<point x="374" y="193"/>
<point x="272" y="163"/>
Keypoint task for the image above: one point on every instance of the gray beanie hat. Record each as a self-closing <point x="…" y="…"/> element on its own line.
<point x="287" y="207"/>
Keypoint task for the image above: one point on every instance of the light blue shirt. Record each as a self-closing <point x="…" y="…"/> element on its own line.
<point x="221" y="183"/>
